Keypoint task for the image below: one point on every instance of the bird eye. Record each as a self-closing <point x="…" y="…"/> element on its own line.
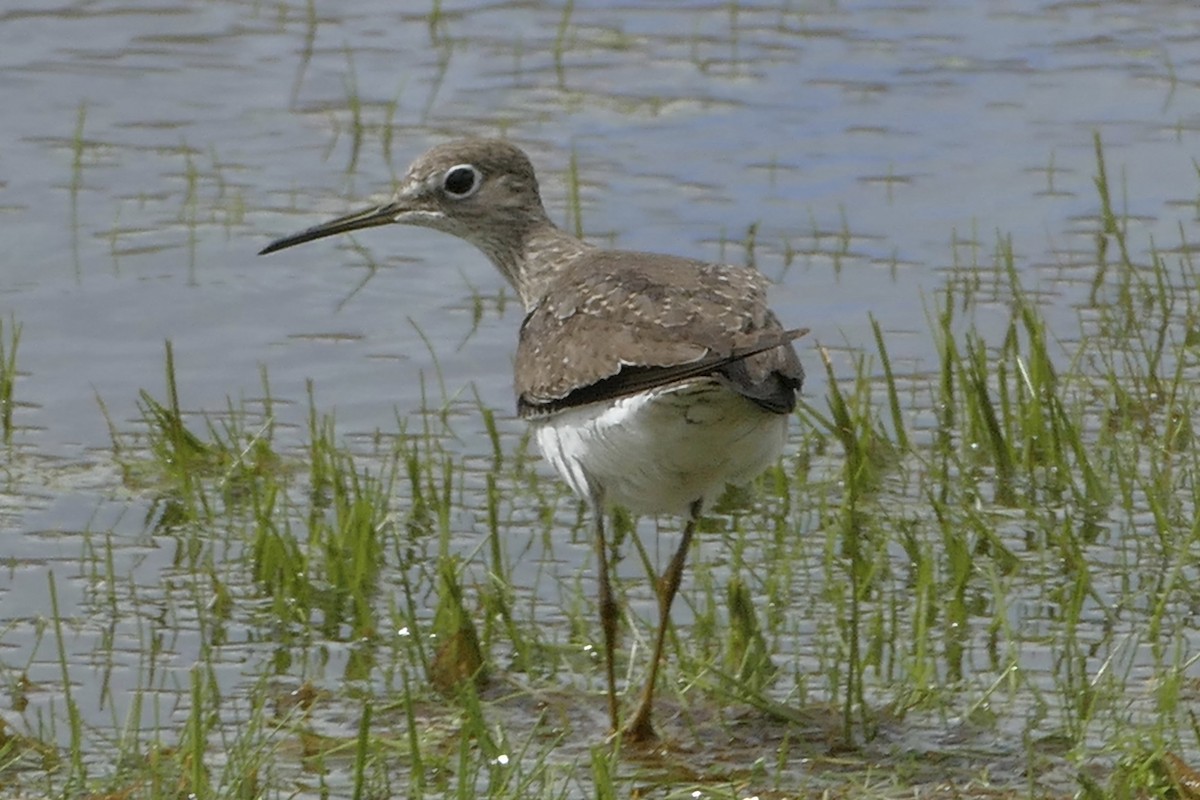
<point x="461" y="181"/>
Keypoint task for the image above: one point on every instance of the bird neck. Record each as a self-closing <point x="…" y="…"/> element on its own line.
<point x="536" y="258"/>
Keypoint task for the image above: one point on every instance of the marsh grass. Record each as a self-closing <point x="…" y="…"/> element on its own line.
<point x="191" y="470"/>
<point x="8" y="375"/>
<point x="311" y="21"/>
<point x="355" y="104"/>
<point x="562" y="40"/>
<point x="574" y="198"/>
<point x="971" y="579"/>
<point x="78" y="147"/>
<point x="364" y="116"/>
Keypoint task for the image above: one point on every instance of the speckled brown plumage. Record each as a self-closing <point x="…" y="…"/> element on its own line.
<point x="654" y="319"/>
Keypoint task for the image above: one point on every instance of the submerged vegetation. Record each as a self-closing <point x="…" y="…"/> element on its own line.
<point x="973" y="579"/>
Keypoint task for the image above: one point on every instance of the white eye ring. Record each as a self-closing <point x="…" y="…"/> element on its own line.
<point x="461" y="181"/>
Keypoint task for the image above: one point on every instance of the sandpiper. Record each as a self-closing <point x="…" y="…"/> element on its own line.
<point x="651" y="381"/>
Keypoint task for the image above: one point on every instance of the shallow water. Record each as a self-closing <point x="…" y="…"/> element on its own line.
<point x="151" y="148"/>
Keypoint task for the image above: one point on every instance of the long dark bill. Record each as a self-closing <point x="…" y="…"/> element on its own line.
<point x="368" y="218"/>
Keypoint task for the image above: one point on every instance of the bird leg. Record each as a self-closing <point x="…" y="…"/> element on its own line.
<point x="608" y="614"/>
<point x="640" y="727"/>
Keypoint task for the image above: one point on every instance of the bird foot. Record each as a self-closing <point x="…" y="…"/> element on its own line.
<point x="639" y="729"/>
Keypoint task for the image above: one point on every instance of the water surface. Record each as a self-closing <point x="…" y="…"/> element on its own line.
<point x="151" y="148"/>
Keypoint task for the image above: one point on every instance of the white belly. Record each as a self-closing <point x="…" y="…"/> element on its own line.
<point x="662" y="451"/>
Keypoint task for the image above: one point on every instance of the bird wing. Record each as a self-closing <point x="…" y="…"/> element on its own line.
<point x="617" y="323"/>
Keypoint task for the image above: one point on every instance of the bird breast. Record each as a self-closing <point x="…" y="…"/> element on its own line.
<point x="660" y="451"/>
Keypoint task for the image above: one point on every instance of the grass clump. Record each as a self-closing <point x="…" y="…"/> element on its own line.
<point x="183" y="465"/>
